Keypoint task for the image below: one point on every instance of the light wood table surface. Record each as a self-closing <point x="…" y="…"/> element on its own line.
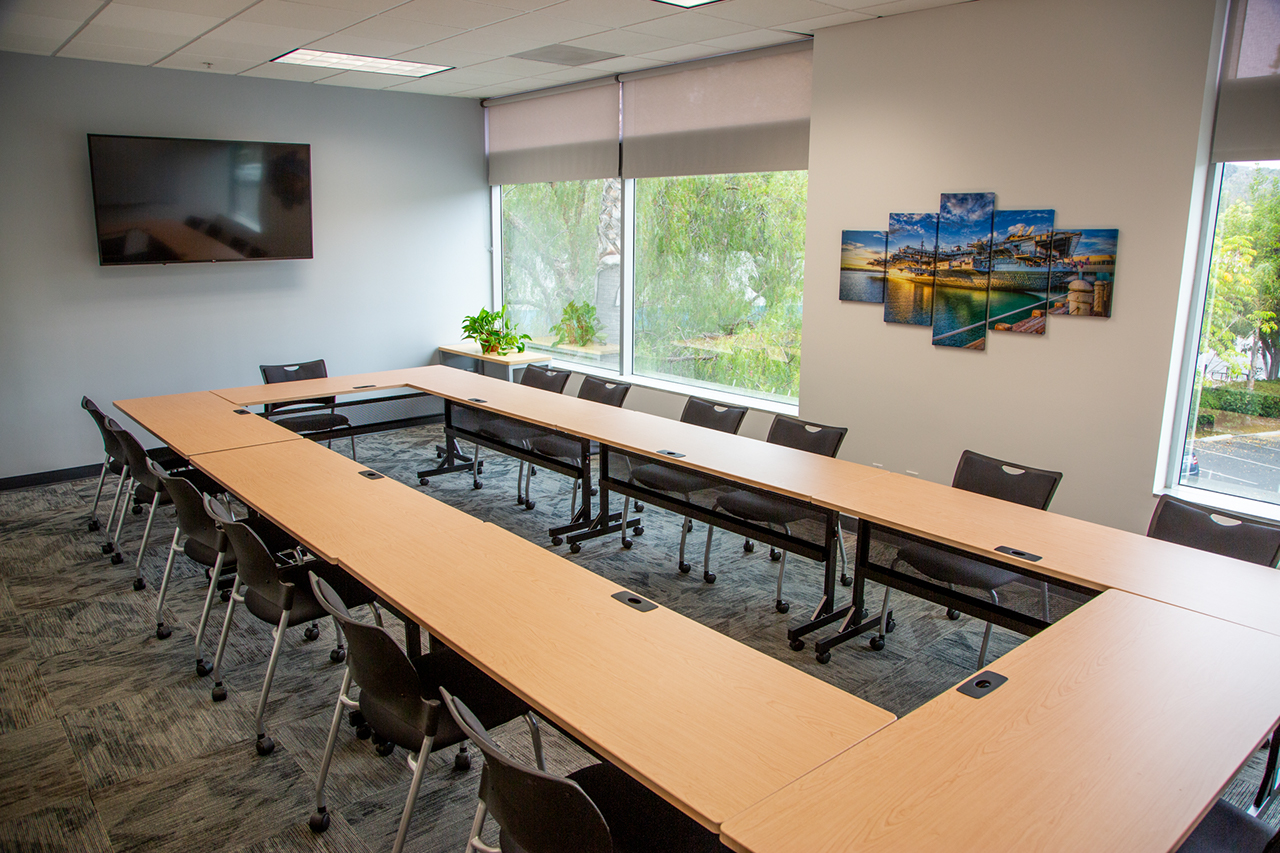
<point x="330" y="386"/>
<point x="703" y="720"/>
<point x="1116" y="731"/>
<point x="509" y="362"/>
<point x="202" y="422"/>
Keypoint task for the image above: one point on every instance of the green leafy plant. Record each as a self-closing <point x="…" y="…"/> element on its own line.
<point x="578" y="325"/>
<point x="495" y="331"/>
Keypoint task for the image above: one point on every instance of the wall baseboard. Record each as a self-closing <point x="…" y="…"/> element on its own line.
<point x="45" y="478"/>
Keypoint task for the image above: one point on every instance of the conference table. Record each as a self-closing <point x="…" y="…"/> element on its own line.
<point x="1145" y="696"/>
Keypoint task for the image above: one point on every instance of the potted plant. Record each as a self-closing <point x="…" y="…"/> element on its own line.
<point x="495" y="331"/>
<point x="578" y="326"/>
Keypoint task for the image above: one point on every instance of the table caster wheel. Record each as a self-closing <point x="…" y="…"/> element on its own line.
<point x="117" y="558"/>
<point x="638" y="529"/>
<point x="748" y="546"/>
<point x="225" y="595"/>
<point x="888" y="628"/>
<point x="311" y="634"/>
<point x="266" y="746"/>
<point x="953" y="614"/>
<point x="94" y="525"/>
<point x="627" y="543"/>
<point x="594" y="492"/>
<point x="139" y="584"/>
<point x="638" y="507"/>
<point x="355" y="719"/>
<point x="530" y="504"/>
<point x="476" y="484"/>
<point x="319" y="822"/>
<point x="219" y="693"/>
<point x="877" y="644"/>
<point x="338" y="655"/>
<point x="423" y="481"/>
<point x="385" y="748"/>
<point x="462" y="761"/>
<point x="137" y="509"/>
<point x="684" y="567"/>
<point x="480" y="468"/>
<point x="688" y="527"/>
<point x="775" y="554"/>
<point x="108" y="547"/>
<point x="823" y="657"/>
<point x="203" y="669"/>
<point x="163" y="632"/>
<point x="782" y="606"/>
<point x="709" y="577"/>
<point x="439" y="453"/>
<point x="577" y="546"/>
<point x="364" y="732"/>
<point x="845" y="580"/>
<point x="797" y="645"/>
<point x="557" y="540"/>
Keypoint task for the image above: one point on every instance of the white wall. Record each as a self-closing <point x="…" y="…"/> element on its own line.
<point x="1090" y="107"/>
<point x="400" y="206"/>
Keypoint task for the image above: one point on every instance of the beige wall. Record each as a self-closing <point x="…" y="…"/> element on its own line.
<point x="1091" y="107"/>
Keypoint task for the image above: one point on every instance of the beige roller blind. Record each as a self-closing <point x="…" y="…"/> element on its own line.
<point x="744" y="113"/>
<point x="1247" y="126"/>
<point x="567" y="135"/>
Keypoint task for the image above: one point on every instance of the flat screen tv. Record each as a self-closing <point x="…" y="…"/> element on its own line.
<point x="170" y="201"/>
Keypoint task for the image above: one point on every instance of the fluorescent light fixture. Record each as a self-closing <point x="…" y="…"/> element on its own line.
<point x="349" y="62"/>
<point x="687" y="4"/>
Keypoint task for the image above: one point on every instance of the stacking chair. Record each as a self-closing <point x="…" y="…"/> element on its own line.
<point x="513" y="432"/>
<point x="774" y="512"/>
<point x="1228" y="829"/>
<point x="146" y="491"/>
<point x="399" y="702"/>
<point x="596" y="390"/>
<point x="597" y="809"/>
<point x="1185" y="523"/>
<point x="277" y="595"/>
<point x="306" y="419"/>
<point x="984" y="475"/>
<point x="112" y="462"/>
<point x="669" y="478"/>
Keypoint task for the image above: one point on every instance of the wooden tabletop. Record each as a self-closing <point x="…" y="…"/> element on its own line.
<point x="331" y="386"/>
<point x="705" y="721"/>
<point x="471" y="349"/>
<point x="202" y="422"/>
<point x="1117" y="729"/>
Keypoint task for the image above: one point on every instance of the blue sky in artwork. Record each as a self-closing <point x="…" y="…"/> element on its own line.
<point x="1097" y="241"/>
<point x="909" y="229"/>
<point x="1009" y="221"/>
<point x="964" y="218"/>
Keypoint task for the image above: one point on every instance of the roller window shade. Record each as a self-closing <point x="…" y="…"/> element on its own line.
<point x="1247" y="126"/>
<point x="745" y="115"/>
<point x="567" y="136"/>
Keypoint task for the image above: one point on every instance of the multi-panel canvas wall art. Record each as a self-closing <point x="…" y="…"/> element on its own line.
<point x="862" y="258"/>
<point x="971" y="269"/>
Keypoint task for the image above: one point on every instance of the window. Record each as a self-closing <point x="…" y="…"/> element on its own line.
<point x="718" y="267"/>
<point x="1232" y="444"/>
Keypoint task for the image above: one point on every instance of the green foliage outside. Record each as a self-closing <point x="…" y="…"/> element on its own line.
<point x="578" y="325"/>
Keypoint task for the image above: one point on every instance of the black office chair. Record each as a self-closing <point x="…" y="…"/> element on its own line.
<point x="597" y="390"/>
<point x="306" y="420"/>
<point x="774" y="512"/>
<point x="279" y="596"/>
<point x="669" y="478"/>
<point x="513" y="432"/>
<point x="597" y="809"/>
<point x="399" y="702"/>
<point x="1185" y="523"/>
<point x="985" y="475"/>
<point x="1228" y="829"/>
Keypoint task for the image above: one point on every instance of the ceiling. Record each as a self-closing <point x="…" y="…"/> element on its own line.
<point x="481" y="38"/>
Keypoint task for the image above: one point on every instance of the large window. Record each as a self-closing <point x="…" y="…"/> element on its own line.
<point x="718" y="267"/>
<point x="1233" y="435"/>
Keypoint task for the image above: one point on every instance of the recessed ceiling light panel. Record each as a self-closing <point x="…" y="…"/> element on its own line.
<point x="687" y="4"/>
<point x="350" y="62"/>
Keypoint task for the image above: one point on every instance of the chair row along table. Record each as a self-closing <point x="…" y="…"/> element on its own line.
<point x="1116" y="728"/>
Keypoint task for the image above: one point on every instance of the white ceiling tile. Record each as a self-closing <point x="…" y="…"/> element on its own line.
<point x="568" y="75"/>
<point x="360" y="80"/>
<point x="521" y="5"/>
<point x="481" y="41"/>
<point x="211" y="45"/>
<point x="282" y="13"/>
<point x="900" y="7"/>
<point x="20" y="43"/>
<point x="682" y="53"/>
<point x="96" y="33"/>
<point x="111" y="53"/>
<point x="514" y="67"/>
<point x="190" y="61"/>
<point x="462" y="14"/>
<point x="67" y="10"/>
<point x="623" y="42"/>
<point x="416" y="33"/>
<point x="441" y="53"/>
<point x="691" y="26"/>
<point x="265" y="35"/>
<point x="542" y="27"/>
<point x="826" y="21"/>
<point x="281" y="71"/>
<point x="129" y="17"/>
<point x="498" y="91"/>
<point x="436" y="84"/>
<point x="38" y="27"/>
<point x="222" y="9"/>
<point x="770" y="13"/>
<point x="477" y="77"/>
<point x="621" y="65"/>
<point x="364" y="7"/>
<point x="614" y="13"/>
<point x="752" y="39"/>
<point x="344" y="43"/>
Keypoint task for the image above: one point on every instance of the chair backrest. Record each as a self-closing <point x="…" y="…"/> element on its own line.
<point x="273" y="373"/>
<point x="135" y="457"/>
<point x="599" y="390"/>
<point x="705" y="413"/>
<point x="1008" y="481"/>
<point x="1185" y="523"/>
<point x="379" y="666"/>
<point x="537" y="376"/>
<point x="804" y="435"/>
<point x="188" y="504"/>
<point x="540" y="812"/>
<point x="110" y="444"/>
<point x="255" y="566"/>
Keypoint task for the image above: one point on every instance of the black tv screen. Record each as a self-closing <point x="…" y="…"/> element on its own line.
<point x="169" y="201"/>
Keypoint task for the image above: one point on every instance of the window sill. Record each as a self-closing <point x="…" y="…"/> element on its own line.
<point x="713" y="394"/>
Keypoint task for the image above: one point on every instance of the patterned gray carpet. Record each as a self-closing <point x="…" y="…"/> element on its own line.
<point x="109" y="740"/>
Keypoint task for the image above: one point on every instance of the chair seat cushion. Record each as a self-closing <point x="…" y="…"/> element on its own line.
<point x="561" y="447"/>
<point x="1227" y="827"/>
<point x="952" y="568"/>
<point x="756" y="507"/>
<point x="510" y="432"/>
<point x="667" y="479"/>
<point x="319" y="422"/>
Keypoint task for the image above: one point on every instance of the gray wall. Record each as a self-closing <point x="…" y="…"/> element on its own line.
<point x="1092" y="107"/>
<point x="400" y="202"/>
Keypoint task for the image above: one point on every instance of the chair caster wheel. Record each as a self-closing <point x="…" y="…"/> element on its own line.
<point x="638" y="529"/>
<point x="797" y="645"/>
<point x="163" y="632"/>
<point x="953" y="614"/>
<point x="355" y="719"/>
<point x="684" y="567"/>
<point x="225" y="595"/>
<point x="748" y="546"/>
<point x="94" y="525"/>
<point x="594" y="492"/>
<point x="266" y="746"/>
<point x="219" y="693"/>
<point x="423" y="481"/>
<point x="845" y="580"/>
<point x="137" y="510"/>
<point x="476" y="484"/>
<point x="338" y="655"/>
<point x="627" y="543"/>
<point x="775" y="554"/>
<point x="139" y="584"/>
<point x="203" y="669"/>
<point x="577" y="546"/>
<point x="888" y="628"/>
<point x="319" y="822"/>
<point x="108" y="547"/>
<point x="480" y="468"/>
<point x="311" y="634"/>
<point x="877" y="644"/>
<point x="688" y="527"/>
<point x="385" y="748"/>
<point x="782" y="606"/>
<point x="439" y="454"/>
<point x="823" y="658"/>
<point x="117" y="558"/>
<point x="557" y="540"/>
<point x="638" y="507"/>
<point x="529" y="504"/>
<point x="364" y="732"/>
<point x="462" y="761"/>
<point x="709" y="577"/>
